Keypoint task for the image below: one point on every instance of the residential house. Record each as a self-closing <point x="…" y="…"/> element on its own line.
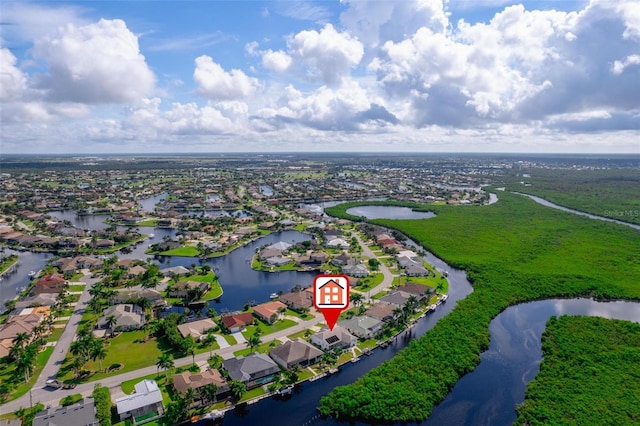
<point x="127" y="317"/>
<point x="44" y="299"/>
<point x="358" y="270"/>
<point x="280" y="245"/>
<point x="14" y="325"/>
<point x="278" y="261"/>
<point x="175" y="270"/>
<point x="339" y="337"/>
<point x="80" y="414"/>
<point x="419" y="290"/>
<point x="153" y="296"/>
<point x="295" y="352"/>
<point x="134" y="271"/>
<point x="196" y="329"/>
<point x="298" y="300"/>
<point x="343" y="259"/>
<point x="362" y="326"/>
<point x="337" y="243"/>
<point x="237" y="322"/>
<point x="197" y="381"/>
<point x="269" y="312"/>
<point x="416" y="271"/>
<point x="147" y="399"/>
<point x="103" y="243"/>
<point x="269" y="252"/>
<point x="182" y="288"/>
<point x="51" y="283"/>
<point x="253" y="370"/>
<point x="380" y="311"/>
<point x="396" y="298"/>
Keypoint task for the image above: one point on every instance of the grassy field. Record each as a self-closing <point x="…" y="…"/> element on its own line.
<point x="126" y="348"/>
<point x="513" y="251"/>
<point x="266" y="329"/>
<point x="20" y="388"/>
<point x="186" y="251"/>
<point x="581" y="354"/>
<point x="216" y="288"/>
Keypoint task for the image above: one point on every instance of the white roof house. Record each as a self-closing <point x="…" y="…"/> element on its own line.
<point x="146" y="398"/>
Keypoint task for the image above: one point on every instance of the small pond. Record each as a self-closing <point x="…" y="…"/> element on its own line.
<point x="389" y="212"/>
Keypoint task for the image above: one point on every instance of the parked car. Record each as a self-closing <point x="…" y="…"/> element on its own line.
<point x="53" y="383"/>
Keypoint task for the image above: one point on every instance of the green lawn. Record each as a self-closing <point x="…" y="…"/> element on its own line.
<point x="216" y="289"/>
<point x="252" y="394"/>
<point x="55" y="334"/>
<point x="299" y="335"/>
<point x="263" y="348"/>
<point x="267" y="329"/>
<point x="230" y="339"/>
<point x="186" y="251"/>
<point x="293" y="313"/>
<point x="124" y="349"/>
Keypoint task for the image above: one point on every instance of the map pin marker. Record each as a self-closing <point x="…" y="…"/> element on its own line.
<point x="331" y="296"/>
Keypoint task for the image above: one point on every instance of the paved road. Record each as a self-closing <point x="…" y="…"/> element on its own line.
<point x="388" y="276"/>
<point x="52" y="397"/>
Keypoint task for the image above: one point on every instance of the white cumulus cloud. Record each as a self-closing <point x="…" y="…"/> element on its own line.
<point x="328" y="55"/>
<point x="217" y="84"/>
<point x="94" y="63"/>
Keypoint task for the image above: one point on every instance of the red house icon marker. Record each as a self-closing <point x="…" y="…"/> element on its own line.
<point x="332" y="293"/>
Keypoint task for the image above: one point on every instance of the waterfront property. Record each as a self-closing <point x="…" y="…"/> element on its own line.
<point x="196" y="329"/>
<point x="295" y="352"/>
<point x="362" y="326"/>
<point x="253" y="370"/>
<point x="237" y="322"/>
<point x="269" y="312"/>
<point x="200" y="381"/>
<point x="339" y="337"/>
<point x="122" y="317"/>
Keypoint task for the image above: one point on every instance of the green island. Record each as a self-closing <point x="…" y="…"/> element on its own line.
<point x="589" y="375"/>
<point x="513" y="251"/>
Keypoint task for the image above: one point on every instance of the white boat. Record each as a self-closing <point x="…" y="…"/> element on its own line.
<point x="273" y="296"/>
<point x="211" y="415"/>
<point x="152" y="235"/>
<point x="285" y="391"/>
<point x="32" y="274"/>
<point x="444" y="297"/>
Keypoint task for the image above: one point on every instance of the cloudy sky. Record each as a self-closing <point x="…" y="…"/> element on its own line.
<point x="293" y="75"/>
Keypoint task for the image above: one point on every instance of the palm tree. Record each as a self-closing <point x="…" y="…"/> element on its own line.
<point x="165" y="361"/>
<point x="356" y="298"/>
<point x="98" y="352"/>
<point x="20" y="340"/>
<point x="25" y="362"/>
<point x="209" y="340"/>
<point x="109" y="322"/>
<point x="237" y="388"/>
<point x="254" y="341"/>
<point x="208" y="392"/>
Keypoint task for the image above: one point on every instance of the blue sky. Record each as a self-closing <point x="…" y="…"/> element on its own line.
<point x="229" y="76"/>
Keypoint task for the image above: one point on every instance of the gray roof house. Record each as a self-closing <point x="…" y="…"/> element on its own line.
<point x="127" y="316"/>
<point x="295" y="352"/>
<point x="416" y="271"/>
<point x="146" y="399"/>
<point x="178" y="270"/>
<point x="339" y="337"/>
<point x="362" y="326"/>
<point x="358" y="270"/>
<point x="253" y="370"/>
<point x="81" y="414"/>
<point x="397" y="298"/>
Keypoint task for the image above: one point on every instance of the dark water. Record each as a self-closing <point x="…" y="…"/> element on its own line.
<point x="266" y="190"/>
<point x="489" y="394"/>
<point x="149" y="204"/>
<point x="11" y="283"/>
<point x="88" y="222"/>
<point x="388" y="212"/>
<point x="242" y="284"/>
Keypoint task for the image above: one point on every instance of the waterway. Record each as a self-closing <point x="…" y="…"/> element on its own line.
<point x="578" y="212"/>
<point x="389" y="212"/>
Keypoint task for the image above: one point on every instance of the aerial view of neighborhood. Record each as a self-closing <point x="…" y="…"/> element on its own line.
<point x="176" y="289"/>
<point x="320" y="212"/>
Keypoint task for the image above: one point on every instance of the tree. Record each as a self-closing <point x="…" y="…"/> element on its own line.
<point x="237" y="388"/>
<point x="110" y="321"/>
<point x="254" y="341"/>
<point x="373" y="264"/>
<point x="165" y="361"/>
<point x="208" y="393"/>
<point x="98" y="352"/>
<point x="209" y="340"/>
<point x="356" y="298"/>
<point x="189" y="347"/>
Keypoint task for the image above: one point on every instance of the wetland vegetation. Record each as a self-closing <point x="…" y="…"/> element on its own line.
<point x="513" y="251"/>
